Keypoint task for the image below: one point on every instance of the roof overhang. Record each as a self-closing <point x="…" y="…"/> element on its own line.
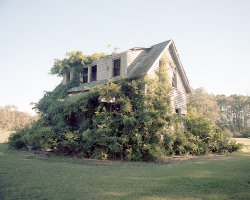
<point x="180" y="67"/>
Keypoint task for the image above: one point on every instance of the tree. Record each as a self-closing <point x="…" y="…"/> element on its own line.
<point x="200" y="102"/>
<point x="11" y="118"/>
<point x="235" y="111"/>
<point x="74" y="59"/>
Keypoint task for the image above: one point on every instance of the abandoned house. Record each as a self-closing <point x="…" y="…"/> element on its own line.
<point x="135" y="63"/>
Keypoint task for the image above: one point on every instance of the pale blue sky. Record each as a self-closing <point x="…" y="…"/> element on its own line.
<point x="212" y="38"/>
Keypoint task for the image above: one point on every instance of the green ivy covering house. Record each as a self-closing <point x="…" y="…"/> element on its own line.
<point x="134" y="64"/>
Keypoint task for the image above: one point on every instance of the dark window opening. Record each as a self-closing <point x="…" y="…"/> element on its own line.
<point x="85" y="75"/>
<point x="178" y="112"/>
<point x="76" y="120"/>
<point x="68" y="77"/>
<point x="112" y="108"/>
<point x="174" y="79"/>
<point x="93" y="73"/>
<point x="117" y="67"/>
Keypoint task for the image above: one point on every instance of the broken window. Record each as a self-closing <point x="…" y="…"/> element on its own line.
<point x="68" y="77"/>
<point x="117" y="67"/>
<point x="178" y="111"/>
<point x="93" y="73"/>
<point x="174" y="78"/>
<point x="85" y="75"/>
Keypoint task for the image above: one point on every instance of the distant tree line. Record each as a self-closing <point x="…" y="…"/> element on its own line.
<point x="235" y="113"/>
<point x="11" y="118"/>
<point x="230" y="113"/>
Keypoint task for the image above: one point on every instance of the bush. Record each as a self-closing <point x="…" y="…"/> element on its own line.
<point x="18" y="140"/>
<point x="199" y="137"/>
<point x="227" y="133"/>
<point x="246" y="133"/>
<point x="233" y="146"/>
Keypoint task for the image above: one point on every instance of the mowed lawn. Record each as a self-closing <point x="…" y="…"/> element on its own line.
<point x="24" y="175"/>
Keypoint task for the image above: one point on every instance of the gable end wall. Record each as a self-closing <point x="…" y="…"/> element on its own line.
<point x="178" y="95"/>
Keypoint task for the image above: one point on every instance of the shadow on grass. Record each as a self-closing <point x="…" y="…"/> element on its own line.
<point x="182" y="188"/>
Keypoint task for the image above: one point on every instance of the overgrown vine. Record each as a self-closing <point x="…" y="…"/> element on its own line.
<point x="128" y="119"/>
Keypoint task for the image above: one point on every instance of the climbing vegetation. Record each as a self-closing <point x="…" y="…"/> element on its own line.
<point x="126" y="119"/>
<point x="74" y="59"/>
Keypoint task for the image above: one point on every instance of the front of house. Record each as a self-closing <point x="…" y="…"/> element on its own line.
<point x="133" y="64"/>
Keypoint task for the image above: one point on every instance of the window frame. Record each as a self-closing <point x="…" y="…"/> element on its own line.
<point x="174" y="78"/>
<point x="91" y="73"/>
<point x="85" y="76"/>
<point x="68" y="77"/>
<point x="114" y="68"/>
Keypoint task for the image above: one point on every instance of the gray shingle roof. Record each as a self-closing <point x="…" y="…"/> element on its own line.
<point x="74" y="97"/>
<point x="85" y="86"/>
<point x="144" y="61"/>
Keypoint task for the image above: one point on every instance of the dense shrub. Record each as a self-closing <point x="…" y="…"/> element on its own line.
<point x="17" y="140"/>
<point x="198" y="138"/>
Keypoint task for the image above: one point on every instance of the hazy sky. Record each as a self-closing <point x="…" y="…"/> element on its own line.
<point x="212" y="38"/>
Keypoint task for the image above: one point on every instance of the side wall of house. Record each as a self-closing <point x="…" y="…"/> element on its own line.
<point x="64" y="81"/>
<point x="105" y="66"/>
<point x="64" y="78"/>
<point x="178" y="94"/>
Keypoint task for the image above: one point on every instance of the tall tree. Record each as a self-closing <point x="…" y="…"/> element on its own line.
<point x="199" y="101"/>
<point x="235" y="110"/>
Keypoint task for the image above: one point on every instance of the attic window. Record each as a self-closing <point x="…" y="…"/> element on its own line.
<point x="93" y="73"/>
<point x="174" y="78"/>
<point x="117" y="67"/>
<point x="68" y="77"/>
<point x="85" y="75"/>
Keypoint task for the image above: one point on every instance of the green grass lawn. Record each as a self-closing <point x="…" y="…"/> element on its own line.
<point x="27" y="176"/>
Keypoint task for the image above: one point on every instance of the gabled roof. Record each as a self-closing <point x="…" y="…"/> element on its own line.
<point x="144" y="61"/>
<point x="142" y="64"/>
<point x="180" y="68"/>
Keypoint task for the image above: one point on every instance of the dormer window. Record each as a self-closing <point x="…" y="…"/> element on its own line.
<point x="117" y="67"/>
<point x="93" y="75"/>
<point x="85" y="75"/>
<point x="174" y="78"/>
